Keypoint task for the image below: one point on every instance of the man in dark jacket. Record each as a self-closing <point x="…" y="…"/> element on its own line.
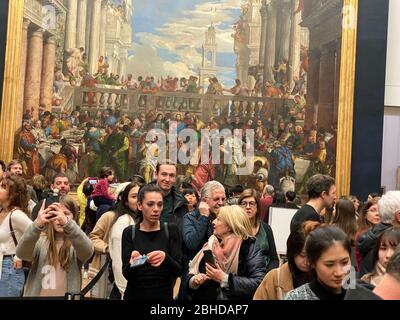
<point x="197" y="225"/>
<point x="389" y="212"/>
<point x="175" y="204"/>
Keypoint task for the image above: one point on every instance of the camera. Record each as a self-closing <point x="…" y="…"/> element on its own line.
<point x="93" y="181"/>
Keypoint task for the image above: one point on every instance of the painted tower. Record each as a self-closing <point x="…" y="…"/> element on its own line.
<point x="208" y="67"/>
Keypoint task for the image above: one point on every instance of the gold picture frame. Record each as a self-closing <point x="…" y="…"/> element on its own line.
<point x="8" y="125"/>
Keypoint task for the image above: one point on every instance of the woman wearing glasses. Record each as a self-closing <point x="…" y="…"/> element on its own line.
<point x="249" y="200"/>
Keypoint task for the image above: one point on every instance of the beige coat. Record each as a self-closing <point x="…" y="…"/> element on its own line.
<point x="99" y="237"/>
<point x="276" y="284"/>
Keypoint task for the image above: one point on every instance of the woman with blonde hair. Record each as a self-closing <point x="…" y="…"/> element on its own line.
<point x="57" y="247"/>
<point x="230" y="265"/>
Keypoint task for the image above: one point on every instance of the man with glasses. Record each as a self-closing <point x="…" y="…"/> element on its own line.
<point x="197" y="225"/>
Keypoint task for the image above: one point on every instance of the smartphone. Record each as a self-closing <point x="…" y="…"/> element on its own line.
<point x="52" y="198"/>
<point x="93" y="181"/>
<point x="139" y="262"/>
<point x="209" y="257"/>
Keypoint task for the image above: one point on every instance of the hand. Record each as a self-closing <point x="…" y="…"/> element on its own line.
<point x="17" y="263"/>
<point x="59" y="214"/>
<point x="134" y="255"/>
<point x="44" y="216"/>
<point x="215" y="273"/>
<point x="156" y="258"/>
<point x="199" y="279"/>
<point x="204" y="209"/>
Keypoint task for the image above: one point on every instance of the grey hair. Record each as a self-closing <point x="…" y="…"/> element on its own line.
<point x="268" y="189"/>
<point x="388" y="206"/>
<point x="209" y="187"/>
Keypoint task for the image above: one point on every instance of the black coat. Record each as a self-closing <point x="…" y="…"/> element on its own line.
<point x="251" y="271"/>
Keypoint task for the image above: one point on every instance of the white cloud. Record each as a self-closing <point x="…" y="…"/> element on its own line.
<point x="146" y="61"/>
<point x="185" y="34"/>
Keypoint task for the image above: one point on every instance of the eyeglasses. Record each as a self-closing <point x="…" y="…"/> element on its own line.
<point x="219" y="199"/>
<point x="251" y="204"/>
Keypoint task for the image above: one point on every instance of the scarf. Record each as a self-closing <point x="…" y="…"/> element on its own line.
<point x="226" y="254"/>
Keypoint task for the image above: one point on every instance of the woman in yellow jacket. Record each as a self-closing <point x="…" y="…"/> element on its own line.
<point x="292" y="274"/>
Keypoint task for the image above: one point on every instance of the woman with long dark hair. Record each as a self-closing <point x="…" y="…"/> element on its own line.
<point x="328" y="253"/>
<point x="386" y="244"/>
<point x="345" y="218"/>
<point x="101" y="235"/>
<point x="292" y="274"/>
<point x="369" y="217"/>
<point x="13" y="223"/>
<point x="125" y="215"/>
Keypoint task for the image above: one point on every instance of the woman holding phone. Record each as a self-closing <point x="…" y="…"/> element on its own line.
<point x="236" y="266"/>
<point x="151" y="251"/>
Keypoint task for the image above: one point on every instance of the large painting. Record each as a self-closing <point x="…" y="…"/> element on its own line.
<point x="99" y="81"/>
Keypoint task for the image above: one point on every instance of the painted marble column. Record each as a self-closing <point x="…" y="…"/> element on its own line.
<point x="81" y="24"/>
<point x="49" y="61"/>
<point x="285" y="32"/>
<point x="263" y="12"/>
<point x="326" y="87"/>
<point x="270" y="42"/>
<point x="95" y="37"/>
<point x="295" y="44"/>
<point x="89" y="10"/>
<point x="34" y="73"/>
<point x="103" y="26"/>
<point x="70" y="29"/>
<point x="338" y="54"/>
<point x="21" y="86"/>
<point x="312" y="88"/>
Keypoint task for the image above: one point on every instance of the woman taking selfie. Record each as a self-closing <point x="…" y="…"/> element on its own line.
<point x="151" y="251"/>
<point x="230" y="266"/>
<point x="13" y="223"/>
<point x="328" y="253"/>
<point x="58" y="248"/>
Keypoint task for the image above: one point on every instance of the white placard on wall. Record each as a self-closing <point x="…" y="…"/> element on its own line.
<point x="392" y="85"/>
<point x="279" y="220"/>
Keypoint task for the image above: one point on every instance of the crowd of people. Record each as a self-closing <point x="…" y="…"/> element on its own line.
<point x="163" y="240"/>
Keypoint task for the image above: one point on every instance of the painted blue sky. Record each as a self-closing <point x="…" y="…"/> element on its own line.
<point x="168" y="35"/>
